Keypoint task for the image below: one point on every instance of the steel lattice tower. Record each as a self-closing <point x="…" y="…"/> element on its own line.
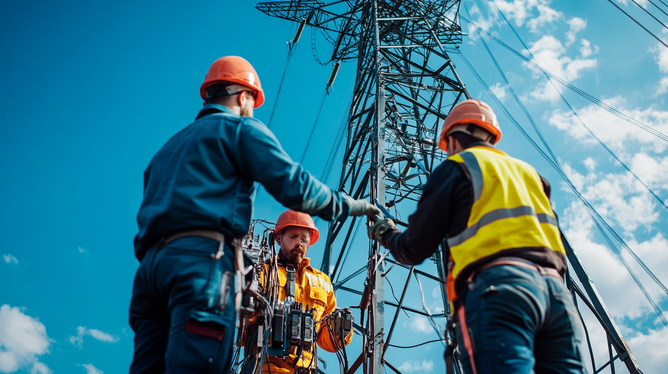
<point x="406" y="85"/>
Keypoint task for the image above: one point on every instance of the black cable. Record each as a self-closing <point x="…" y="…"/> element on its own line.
<point x="650" y="14"/>
<point x="565" y="83"/>
<point x="416" y="345"/>
<point x="533" y="123"/>
<point x="335" y="146"/>
<point x="595" y="215"/>
<point x="280" y="86"/>
<point x="657" y="7"/>
<point x="591" y="209"/>
<point x="314" y="125"/>
<point x="395" y="296"/>
<point x="639" y="24"/>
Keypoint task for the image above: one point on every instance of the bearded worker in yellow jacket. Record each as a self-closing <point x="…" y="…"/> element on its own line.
<point x="298" y="280"/>
<point x="504" y="252"/>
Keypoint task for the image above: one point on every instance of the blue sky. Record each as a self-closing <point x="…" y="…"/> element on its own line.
<point x="90" y="90"/>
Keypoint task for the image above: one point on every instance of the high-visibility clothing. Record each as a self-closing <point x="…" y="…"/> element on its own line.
<point x="312" y="288"/>
<point x="510" y="209"/>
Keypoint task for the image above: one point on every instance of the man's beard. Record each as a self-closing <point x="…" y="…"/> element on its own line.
<point x="295" y="255"/>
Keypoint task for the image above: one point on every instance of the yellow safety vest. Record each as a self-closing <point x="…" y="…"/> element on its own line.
<point x="510" y="209"/>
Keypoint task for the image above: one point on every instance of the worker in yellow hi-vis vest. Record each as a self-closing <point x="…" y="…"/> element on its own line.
<point x="505" y="256"/>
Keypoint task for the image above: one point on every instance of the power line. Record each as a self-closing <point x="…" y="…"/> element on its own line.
<point x="580" y="92"/>
<point x="595" y="215"/>
<point x="657" y="7"/>
<point x="650" y="14"/>
<point x="322" y="103"/>
<point x="290" y="50"/>
<point x="639" y="24"/>
<point x="526" y="112"/>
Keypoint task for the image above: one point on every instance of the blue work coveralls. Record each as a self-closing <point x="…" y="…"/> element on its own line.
<point x="203" y="178"/>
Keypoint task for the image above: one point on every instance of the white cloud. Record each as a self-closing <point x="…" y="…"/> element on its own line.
<point x="661" y="57"/>
<point x="590" y="164"/>
<point x="499" y="91"/>
<point x="576" y="24"/>
<point x="96" y="334"/>
<point x="615" y="285"/>
<point x="22" y="340"/>
<point x="549" y="53"/>
<point x="663" y="86"/>
<point x="520" y="11"/>
<point x="586" y="49"/>
<point x="419" y="324"/>
<point x="411" y="366"/>
<point x="90" y="369"/>
<point x="10" y="259"/>
<point x="40" y="368"/>
<point x="481" y="21"/>
<point x="647" y="350"/>
<point x="615" y="132"/>
<point x="545" y="15"/>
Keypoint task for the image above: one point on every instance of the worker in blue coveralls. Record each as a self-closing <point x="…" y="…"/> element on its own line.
<point x="505" y="257"/>
<point x="197" y="203"/>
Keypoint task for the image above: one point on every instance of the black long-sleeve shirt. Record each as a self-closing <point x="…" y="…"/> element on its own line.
<point x="442" y="212"/>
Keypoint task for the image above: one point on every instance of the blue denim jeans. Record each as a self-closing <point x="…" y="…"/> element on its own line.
<point x="175" y="309"/>
<point x="520" y="321"/>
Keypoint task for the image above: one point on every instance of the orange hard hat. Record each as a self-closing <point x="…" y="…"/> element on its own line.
<point x="233" y="69"/>
<point x="470" y="112"/>
<point x="298" y="219"/>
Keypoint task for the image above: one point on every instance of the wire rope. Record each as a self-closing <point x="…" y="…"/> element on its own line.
<point x="639" y="24"/>
<point x="565" y="83"/>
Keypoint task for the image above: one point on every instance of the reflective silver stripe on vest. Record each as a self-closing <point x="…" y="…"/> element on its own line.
<point x="496" y="215"/>
<point x="546" y="218"/>
<point x="476" y="174"/>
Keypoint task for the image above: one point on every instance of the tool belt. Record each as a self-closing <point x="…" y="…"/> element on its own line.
<point x="514" y="261"/>
<point x="209" y="234"/>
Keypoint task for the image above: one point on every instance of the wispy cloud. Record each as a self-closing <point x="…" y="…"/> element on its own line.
<point x="82" y="251"/>
<point x="10" y="259"/>
<point x="549" y="53"/>
<point x="22" y="340"/>
<point x="499" y="90"/>
<point x="576" y="24"/>
<point x="419" y="324"/>
<point x="612" y="130"/>
<point x="94" y="333"/>
<point x="661" y="58"/>
<point x="90" y="369"/>
<point x="410" y="366"/>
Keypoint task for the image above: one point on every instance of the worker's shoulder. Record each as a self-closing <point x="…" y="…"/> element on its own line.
<point x="318" y="278"/>
<point x="317" y="272"/>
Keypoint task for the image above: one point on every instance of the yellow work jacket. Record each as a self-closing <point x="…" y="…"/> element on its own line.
<point x="313" y="288"/>
<point x="510" y="210"/>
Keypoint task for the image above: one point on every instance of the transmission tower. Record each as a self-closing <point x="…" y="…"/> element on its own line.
<point x="406" y="84"/>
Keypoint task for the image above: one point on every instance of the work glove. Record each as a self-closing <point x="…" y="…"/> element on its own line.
<point x="361" y="207"/>
<point x="340" y="323"/>
<point x="379" y="228"/>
